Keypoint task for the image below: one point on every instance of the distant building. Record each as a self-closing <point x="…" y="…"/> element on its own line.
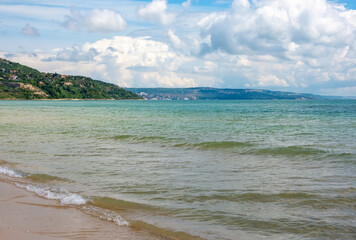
<point x="14" y="77"/>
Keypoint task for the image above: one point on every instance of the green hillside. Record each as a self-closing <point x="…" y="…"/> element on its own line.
<point x="21" y="82"/>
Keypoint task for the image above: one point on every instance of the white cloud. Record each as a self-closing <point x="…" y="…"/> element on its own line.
<point x="271" y="80"/>
<point x="96" y="20"/>
<point x="167" y="80"/>
<point x="175" y="40"/>
<point x="240" y="5"/>
<point x="156" y="12"/>
<point x="272" y="26"/>
<point x="125" y="61"/>
<point x="304" y="43"/>
<point x="187" y="4"/>
<point x="28" y="30"/>
<point x="243" y="61"/>
<point x="105" y="21"/>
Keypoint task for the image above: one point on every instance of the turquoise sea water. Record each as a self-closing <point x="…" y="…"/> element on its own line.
<point x="214" y="169"/>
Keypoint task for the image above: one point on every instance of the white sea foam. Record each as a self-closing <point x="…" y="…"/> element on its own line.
<point x="110" y="216"/>
<point x="9" y="172"/>
<point x="65" y="197"/>
<point x="106" y="215"/>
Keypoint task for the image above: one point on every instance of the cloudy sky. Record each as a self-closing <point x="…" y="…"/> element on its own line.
<point x="288" y="45"/>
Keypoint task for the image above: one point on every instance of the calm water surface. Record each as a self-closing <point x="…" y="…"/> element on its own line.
<point x="214" y="169"/>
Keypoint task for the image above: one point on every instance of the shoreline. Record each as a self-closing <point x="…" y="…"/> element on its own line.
<point x="24" y="215"/>
<point x="69" y="99"/>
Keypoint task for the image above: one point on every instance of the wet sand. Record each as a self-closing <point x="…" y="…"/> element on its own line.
<point x="23" y="215"/>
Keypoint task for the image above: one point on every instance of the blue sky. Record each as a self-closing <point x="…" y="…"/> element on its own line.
<point x="301" y="46"/>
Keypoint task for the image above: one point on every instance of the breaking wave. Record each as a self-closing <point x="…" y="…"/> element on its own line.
<point x="107" y="215"/>
<point x="65" y="197"/>
<point x="9" y="172"/>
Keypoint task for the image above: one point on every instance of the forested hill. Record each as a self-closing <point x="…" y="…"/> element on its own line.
<point x="21" y="82"/>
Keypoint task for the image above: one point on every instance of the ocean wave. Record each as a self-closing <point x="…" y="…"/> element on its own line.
<point x="106" y="208"/>
<point x="300" y="199"/>
<point x="3" y="162"/>
<point x="39" y="177"/>
<point x="9" y="172"/>
<point x="116" y="204"/>
<point x="240" y="147"/>
<point x="105" y="215"/>
<point x="287" y="151"/>
<point x="65" y="197"/>
<point x="251" y="197"/>
<point x="163" y="233"/>
<point x="136" y="138"/>
<point x="215" y="145"/>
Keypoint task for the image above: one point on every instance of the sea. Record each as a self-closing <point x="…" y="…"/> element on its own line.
<point x="248" y="169"/>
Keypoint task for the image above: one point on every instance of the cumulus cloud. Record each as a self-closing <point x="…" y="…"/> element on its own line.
<point x="271" y="80"/>
<point x="95" y="20"/>
<point x="156" y="12"/>
<point x="125" y="61"/>
<point x="279" y="27"/>
<point x="105" y="21"/>
<point x="28" y="30"/>
<point x="288" y="43"/>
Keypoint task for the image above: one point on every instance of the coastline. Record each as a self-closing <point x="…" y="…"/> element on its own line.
<point x="24" y="215"/>
<point x="69" y="99"/>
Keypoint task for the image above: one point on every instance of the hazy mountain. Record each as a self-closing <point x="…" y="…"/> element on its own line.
<point x="216" y="94"/>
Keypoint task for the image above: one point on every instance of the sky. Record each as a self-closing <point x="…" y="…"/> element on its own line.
<point x="287" y="45"/>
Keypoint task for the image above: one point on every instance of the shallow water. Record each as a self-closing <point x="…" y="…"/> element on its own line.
<point x="214" y="169"/>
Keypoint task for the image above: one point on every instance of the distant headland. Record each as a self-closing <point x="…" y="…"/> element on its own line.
<point x="205" y="93"/>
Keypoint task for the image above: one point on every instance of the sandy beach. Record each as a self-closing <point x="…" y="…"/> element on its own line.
<point x="23" y="215"/>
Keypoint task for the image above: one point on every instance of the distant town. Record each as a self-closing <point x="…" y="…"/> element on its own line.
<point x="204" y="93"/>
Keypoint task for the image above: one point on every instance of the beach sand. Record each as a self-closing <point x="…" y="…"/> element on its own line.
<point x="23" y="215"/>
